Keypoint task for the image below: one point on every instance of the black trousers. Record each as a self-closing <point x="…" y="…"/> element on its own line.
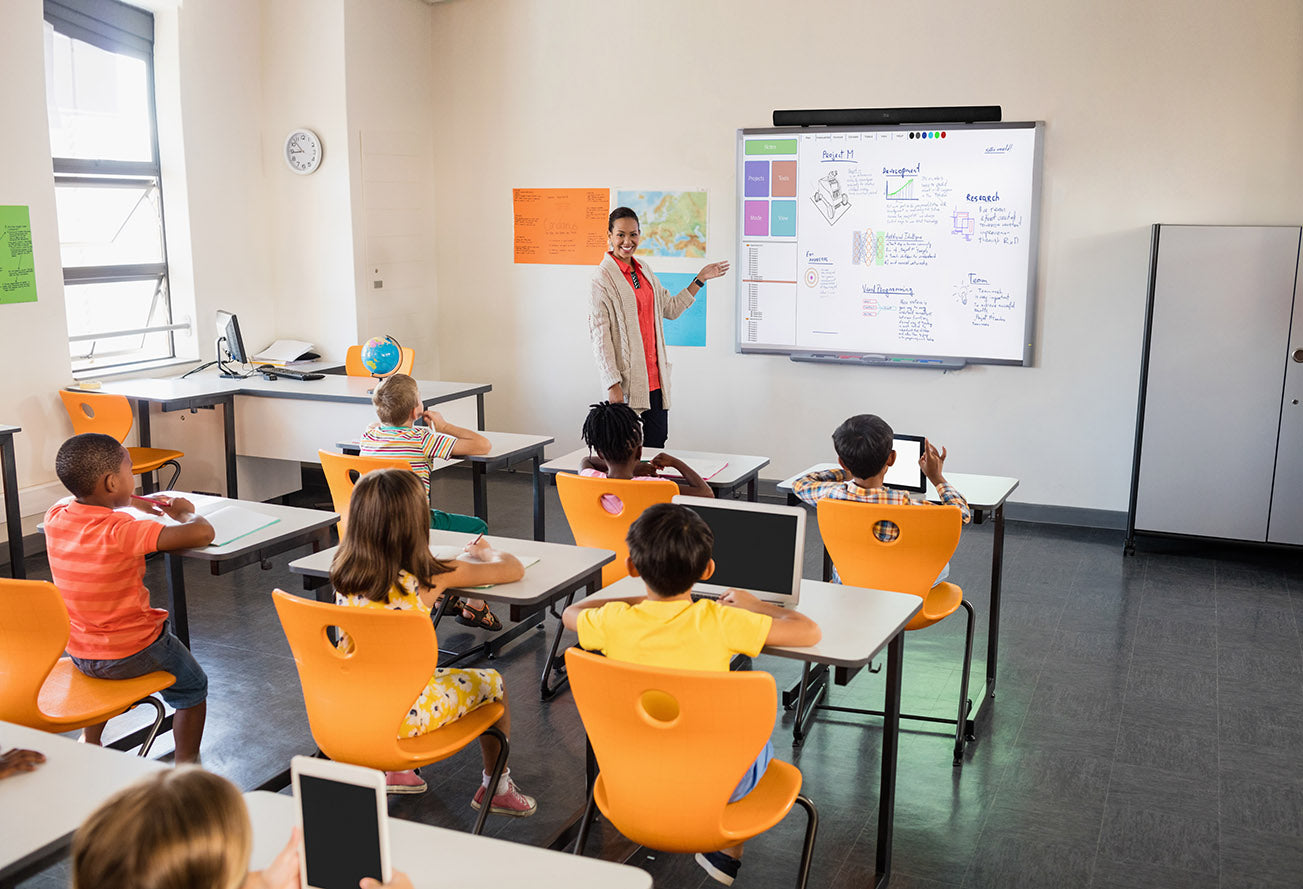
<point x="655" y="423"/>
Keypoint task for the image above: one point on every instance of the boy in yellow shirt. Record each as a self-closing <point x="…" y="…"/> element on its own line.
<point x="670" y="549"/>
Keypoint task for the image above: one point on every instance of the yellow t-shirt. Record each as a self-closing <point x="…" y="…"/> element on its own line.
<point x="701" y="635"/>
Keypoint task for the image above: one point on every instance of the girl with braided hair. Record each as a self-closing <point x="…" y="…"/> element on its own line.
<point x="613" y="433"/>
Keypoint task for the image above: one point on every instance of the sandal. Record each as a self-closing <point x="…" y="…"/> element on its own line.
<point x="454" y="606"/>
<point x="480" y="617"/>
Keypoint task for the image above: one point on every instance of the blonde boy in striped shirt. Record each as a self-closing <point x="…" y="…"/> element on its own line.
<point x="397" y="400"/>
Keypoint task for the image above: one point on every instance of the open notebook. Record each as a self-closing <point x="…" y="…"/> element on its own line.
<point x="230" y="521"/>
<point x="707" y="469"/>
<point x="449" y="553"/>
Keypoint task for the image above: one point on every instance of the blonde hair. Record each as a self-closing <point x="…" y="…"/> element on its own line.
<point x="180" y="828"/>
<point x="395" y="398"/>
<point x="388" y="531"/>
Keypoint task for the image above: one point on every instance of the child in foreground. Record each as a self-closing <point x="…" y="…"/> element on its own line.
<point x="614" y="432"/>
<point x="384" y="561"/>
<point x="181" y="829"/>
<point x="864" y="450"/>
<point x="97" y="560"/>
<point x="670" y="549"/>
<point x="397" y="401"/>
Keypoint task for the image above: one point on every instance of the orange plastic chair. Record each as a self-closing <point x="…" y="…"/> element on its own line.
<point x="342" y="472"/>
<point x="909" y="564"/>
<point x="645" y="723"/>
<point x="111" y="415"/>
<point x="40" y="689"/>
<point x="354" y="367"/>
<point x="356" y="702"/>
<point x="590" y="523"/>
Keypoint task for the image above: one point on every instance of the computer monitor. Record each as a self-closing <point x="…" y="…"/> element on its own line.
<point x="228" y="331"/>
<point x="759" y="547"/>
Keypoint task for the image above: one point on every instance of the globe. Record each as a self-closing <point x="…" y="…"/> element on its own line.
<point x="381" y="355"/>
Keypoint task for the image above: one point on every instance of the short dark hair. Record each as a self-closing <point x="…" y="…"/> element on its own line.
<point x="671" y="546"/>
<point x="621" y="213"/>
<point x="85" y="459"/>
<point x="613" y="430"/>
<point x="863" y="443"/>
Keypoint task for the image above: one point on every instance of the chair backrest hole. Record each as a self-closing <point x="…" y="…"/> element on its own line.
<point x="887" y="529"/>
<point x="612" y="504"/>
<point x="88" y="411"/>
<point x="659" y="706"/>
<point x="353" y="476"/>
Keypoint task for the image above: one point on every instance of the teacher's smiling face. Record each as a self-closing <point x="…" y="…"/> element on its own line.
<point x="623" y="237"/>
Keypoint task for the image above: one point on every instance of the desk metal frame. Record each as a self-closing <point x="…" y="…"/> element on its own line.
<point x="13" y="510"/>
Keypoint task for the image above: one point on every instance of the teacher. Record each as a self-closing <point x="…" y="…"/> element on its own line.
<point x="625" y="315"/>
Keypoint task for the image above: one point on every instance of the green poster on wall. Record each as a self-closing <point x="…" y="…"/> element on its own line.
<point x="17" y="270"/>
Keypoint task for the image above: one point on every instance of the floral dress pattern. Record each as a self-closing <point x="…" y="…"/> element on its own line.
<point x="451" y="693"/>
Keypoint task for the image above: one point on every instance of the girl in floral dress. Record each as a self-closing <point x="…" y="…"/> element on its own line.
<point x="384" y="561"/>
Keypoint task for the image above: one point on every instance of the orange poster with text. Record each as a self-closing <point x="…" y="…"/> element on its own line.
<point x="561" y="226"/>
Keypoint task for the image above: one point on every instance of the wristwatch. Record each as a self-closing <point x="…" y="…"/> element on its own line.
<point x="699" y="282"/>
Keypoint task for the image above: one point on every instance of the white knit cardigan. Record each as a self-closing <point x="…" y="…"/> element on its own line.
<point x="617" y="340"/>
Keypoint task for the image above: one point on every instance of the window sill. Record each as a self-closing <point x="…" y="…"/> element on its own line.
<point x="131" y="370"/>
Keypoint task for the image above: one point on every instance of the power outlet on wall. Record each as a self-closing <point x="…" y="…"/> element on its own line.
<point x="377" y="278"/>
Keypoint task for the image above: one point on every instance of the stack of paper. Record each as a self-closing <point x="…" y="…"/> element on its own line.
<point x="285" y="352"/>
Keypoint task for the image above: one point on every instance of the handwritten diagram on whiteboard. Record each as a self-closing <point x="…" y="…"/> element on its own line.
<point x="903" y="241"/>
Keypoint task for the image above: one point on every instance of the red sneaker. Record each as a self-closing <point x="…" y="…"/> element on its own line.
<point x="512" y="802"/>
<point x="404" y="782"/>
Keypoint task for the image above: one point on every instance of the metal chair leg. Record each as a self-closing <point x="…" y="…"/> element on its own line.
<point x="811" y="828"/>
<point x="590" y="815"/>
<point x="961" y="723"/>
<point x="498" y="766"/>
<point x="176" y="474"/>
<point x="158" y="722"/>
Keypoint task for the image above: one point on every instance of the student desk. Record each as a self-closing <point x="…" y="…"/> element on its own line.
<point x="560" y="571"/>
<point x="857" y="623"/>
<point x="280" y="419"/>
<point x="508" y="448"/>
<point x="984" y="493"/>
<point x="13" y="514"/>
<point x="436" y="858"/>
<point x="740" y="469"/>
<point x="45" y="807"/>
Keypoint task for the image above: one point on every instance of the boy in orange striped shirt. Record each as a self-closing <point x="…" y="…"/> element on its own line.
<point x="97" y="559"/>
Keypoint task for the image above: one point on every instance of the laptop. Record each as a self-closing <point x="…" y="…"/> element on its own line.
<point x="905" y="474"/>
<point x="759" y="548"/>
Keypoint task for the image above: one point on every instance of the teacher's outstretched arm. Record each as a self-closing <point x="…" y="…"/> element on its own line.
<point x="676" y="305"/>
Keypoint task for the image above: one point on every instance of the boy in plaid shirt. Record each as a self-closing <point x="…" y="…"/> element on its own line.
<point x="863" y="445"/>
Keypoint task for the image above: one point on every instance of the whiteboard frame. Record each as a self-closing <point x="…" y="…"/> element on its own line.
<point x="895" y="359"/>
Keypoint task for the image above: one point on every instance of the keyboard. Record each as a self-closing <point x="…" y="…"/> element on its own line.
<point x="271" y="372"/>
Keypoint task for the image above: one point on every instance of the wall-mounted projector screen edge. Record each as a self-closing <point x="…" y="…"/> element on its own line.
<point x="908" y="245"/>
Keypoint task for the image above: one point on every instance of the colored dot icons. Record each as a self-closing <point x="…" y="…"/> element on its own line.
<point x="928" y="134"/>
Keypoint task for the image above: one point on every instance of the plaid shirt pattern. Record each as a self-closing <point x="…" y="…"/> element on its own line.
<point x="837" y="485"/>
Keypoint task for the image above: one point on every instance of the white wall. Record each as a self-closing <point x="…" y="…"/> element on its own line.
<point x="1162" y="111"/>
<point x="33" y="336"/>
<point x="391" y="88"/>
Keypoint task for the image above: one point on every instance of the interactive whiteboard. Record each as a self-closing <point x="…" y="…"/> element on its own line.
<point x="889" y="244"/>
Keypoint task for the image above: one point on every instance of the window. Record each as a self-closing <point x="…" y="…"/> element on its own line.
<point x="108" y="191"/>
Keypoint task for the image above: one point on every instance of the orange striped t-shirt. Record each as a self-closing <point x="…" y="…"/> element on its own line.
<point x="97" y="558"/>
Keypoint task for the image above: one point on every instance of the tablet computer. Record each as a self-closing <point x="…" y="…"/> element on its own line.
<point x="905" y="474"/>
<point x="343" y="819"/>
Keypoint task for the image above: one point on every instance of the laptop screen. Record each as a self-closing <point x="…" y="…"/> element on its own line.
<point x="758" y="549"/>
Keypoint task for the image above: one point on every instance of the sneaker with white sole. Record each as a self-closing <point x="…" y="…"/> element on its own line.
<point x="510" y="802"/>
<point x="721" y="867"/>
<point x="404" y="782"/>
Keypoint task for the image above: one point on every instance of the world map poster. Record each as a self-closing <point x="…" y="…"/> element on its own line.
<point x="673" y="223"/>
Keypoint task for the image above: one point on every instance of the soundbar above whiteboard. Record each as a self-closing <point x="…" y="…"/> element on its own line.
<point x="897" y="245"/>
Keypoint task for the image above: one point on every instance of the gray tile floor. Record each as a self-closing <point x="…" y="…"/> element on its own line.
<point x="1145" y="733"/>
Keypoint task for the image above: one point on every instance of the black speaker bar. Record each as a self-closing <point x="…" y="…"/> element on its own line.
<point x="847" y="117"/>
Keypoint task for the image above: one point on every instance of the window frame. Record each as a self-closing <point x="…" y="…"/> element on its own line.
<point x="120" y="29"/>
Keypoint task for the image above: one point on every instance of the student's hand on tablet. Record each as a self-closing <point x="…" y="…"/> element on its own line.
<point x="282" y="873"/>
<point x="400" y="881"/>
<point x="931" y="462"/>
